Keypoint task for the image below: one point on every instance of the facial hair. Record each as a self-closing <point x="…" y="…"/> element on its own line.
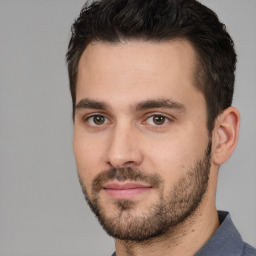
<point x="162" y="216"/>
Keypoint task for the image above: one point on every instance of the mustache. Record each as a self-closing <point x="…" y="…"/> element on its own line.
<point x="124" y="174"/>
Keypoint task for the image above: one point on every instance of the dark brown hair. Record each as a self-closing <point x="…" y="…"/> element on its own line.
<point x="153" y="20"/>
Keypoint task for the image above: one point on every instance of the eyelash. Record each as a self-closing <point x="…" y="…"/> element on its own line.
<point x="152" y="115"/>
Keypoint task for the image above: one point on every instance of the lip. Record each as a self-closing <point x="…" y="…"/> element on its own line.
<point x="121" y="190"/>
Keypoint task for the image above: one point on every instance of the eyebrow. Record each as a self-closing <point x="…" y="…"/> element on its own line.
<point x="160" y="103"/>
<point x="147" y="104"/>
<point x="91" y="104"/>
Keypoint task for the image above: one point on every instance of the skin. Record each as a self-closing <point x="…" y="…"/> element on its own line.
<point x="122" y="76"/>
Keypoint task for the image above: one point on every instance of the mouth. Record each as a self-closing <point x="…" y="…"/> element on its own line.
<point x="129" y="190"/>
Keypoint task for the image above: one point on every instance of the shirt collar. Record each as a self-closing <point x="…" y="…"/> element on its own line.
<point x="225" y="241"/>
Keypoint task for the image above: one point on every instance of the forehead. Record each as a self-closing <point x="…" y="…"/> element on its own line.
<point x="136" y="69"/>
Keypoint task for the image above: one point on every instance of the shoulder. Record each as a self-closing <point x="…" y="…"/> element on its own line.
<point x="249" y="250"/>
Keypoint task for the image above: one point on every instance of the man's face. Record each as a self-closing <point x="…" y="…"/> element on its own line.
<point x="140" y="138"/>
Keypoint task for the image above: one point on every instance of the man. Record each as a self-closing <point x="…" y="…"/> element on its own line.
<point x="152" y="85"/>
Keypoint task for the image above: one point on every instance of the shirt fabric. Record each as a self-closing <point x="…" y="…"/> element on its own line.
<point x="226" y="241"/>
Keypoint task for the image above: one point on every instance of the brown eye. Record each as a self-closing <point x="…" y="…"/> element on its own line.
<point x="159" y="120"/>
<point x="97" y="120"/>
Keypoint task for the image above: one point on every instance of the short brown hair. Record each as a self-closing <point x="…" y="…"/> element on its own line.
<point x="154" y="20"/>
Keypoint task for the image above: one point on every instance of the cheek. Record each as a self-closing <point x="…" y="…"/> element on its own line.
<point x="88" y="157"/>
<point x="174" y="156"/>
<point x="167" y="159"/>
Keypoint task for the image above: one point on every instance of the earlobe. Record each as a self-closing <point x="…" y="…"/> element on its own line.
<point x="225" y="135"/>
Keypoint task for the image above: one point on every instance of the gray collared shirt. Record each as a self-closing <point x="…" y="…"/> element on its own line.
<point x="226" y="241"/>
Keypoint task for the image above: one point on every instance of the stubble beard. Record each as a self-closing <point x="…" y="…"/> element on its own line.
<point x="163" y="216"/>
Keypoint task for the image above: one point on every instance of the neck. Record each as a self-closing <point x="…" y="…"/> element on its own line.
<point x="184" y="239"/>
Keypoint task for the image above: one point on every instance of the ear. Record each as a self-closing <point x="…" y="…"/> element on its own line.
<point x="225" y="135"/>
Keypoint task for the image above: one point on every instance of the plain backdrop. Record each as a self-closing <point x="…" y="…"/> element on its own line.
<point x="42" y="210"/>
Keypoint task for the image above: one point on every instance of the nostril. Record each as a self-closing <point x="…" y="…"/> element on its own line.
<point x="121" y="165"/>
<point x="128" y="163"/>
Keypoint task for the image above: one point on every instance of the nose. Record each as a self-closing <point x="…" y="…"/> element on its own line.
<point x="124" y="150"/>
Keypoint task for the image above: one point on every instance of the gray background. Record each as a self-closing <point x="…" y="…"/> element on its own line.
<point x="42" y="210"/>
